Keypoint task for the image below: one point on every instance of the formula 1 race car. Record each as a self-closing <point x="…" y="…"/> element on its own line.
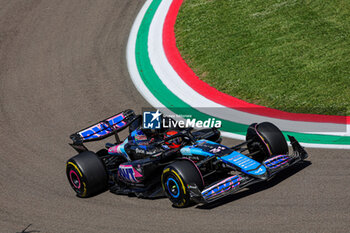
<point x="209" y="171"/>
<point x="196" y="168"/>
<point x="130" y="166"/>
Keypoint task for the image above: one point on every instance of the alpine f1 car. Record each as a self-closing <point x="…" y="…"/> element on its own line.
<point x="183" y="164"/>
<point x="130" y="166"/>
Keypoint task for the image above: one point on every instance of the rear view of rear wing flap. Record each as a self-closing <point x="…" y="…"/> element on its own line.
<point x="103" y="129"/>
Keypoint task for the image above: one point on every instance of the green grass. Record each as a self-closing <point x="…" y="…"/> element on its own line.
<point x="291" y="55"/>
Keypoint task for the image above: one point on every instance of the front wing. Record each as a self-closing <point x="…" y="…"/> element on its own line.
<point x="237" y="182"/>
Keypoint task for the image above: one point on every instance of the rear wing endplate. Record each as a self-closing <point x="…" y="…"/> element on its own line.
<point x="103" y="129"/>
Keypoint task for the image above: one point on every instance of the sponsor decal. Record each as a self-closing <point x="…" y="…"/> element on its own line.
<point x="217" y="149"/>
<point x="221" y="187"/>
<point x="127" y="172"/>
<point x="144" y="151"/>
<point x="102" y="128"/>
<point x="139" y="151"/>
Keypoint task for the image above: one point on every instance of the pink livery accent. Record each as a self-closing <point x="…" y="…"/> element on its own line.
<point x="137" y="174"/>
<point x="114" y="150"/>
<point x="129" y="173"/>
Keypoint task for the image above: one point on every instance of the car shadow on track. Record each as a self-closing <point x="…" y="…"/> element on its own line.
<point x="283" y="175"/>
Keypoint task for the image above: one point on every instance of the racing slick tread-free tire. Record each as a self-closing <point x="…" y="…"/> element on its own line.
<point x="87" y="174"/>
<point x="268" y="138"/>
<point x="176" y="177"/>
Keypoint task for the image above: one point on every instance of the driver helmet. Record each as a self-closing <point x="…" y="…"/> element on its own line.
<point x="139" y="137"/>
<point x="175" y="142"/>
<point x="151" y="133"/>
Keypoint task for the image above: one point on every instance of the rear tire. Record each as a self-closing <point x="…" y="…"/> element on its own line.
<point x="266" y="138"/>
<point x="175" y="179"/>
<point x="87" y="174"/>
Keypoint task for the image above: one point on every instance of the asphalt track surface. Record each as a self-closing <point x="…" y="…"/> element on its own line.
<point x="63" y="67"/>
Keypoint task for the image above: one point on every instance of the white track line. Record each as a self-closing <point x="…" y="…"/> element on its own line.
<point x="131" y="59"/>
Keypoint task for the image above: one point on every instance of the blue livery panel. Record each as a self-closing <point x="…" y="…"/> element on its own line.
<point x="225" y="154"/>
<point x="246" y="164"/>
<point x="204" y="148"/>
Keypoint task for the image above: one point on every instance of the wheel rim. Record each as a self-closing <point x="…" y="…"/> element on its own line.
<point x="74" y="179"/>
<point x="173" y="188"/>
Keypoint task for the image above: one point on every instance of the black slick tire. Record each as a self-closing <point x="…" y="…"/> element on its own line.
<point x="267" y="138"/>
<point x="175" y="180"/>
<point x="86" y="174"/>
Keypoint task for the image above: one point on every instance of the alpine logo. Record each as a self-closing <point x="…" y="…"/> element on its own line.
<point x="217" y="149"/>
<point x="259" y="170"/>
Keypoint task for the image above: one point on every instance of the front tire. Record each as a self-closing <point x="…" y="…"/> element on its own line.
<point x="175" y="179"/>
<point x="86" y="174"/>
<point x="266" y="138"/>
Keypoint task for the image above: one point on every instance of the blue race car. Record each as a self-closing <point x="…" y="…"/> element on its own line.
<point x="183" y="164"/>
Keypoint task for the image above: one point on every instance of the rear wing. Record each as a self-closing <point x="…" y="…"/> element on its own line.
<point x="103" y="129"/>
